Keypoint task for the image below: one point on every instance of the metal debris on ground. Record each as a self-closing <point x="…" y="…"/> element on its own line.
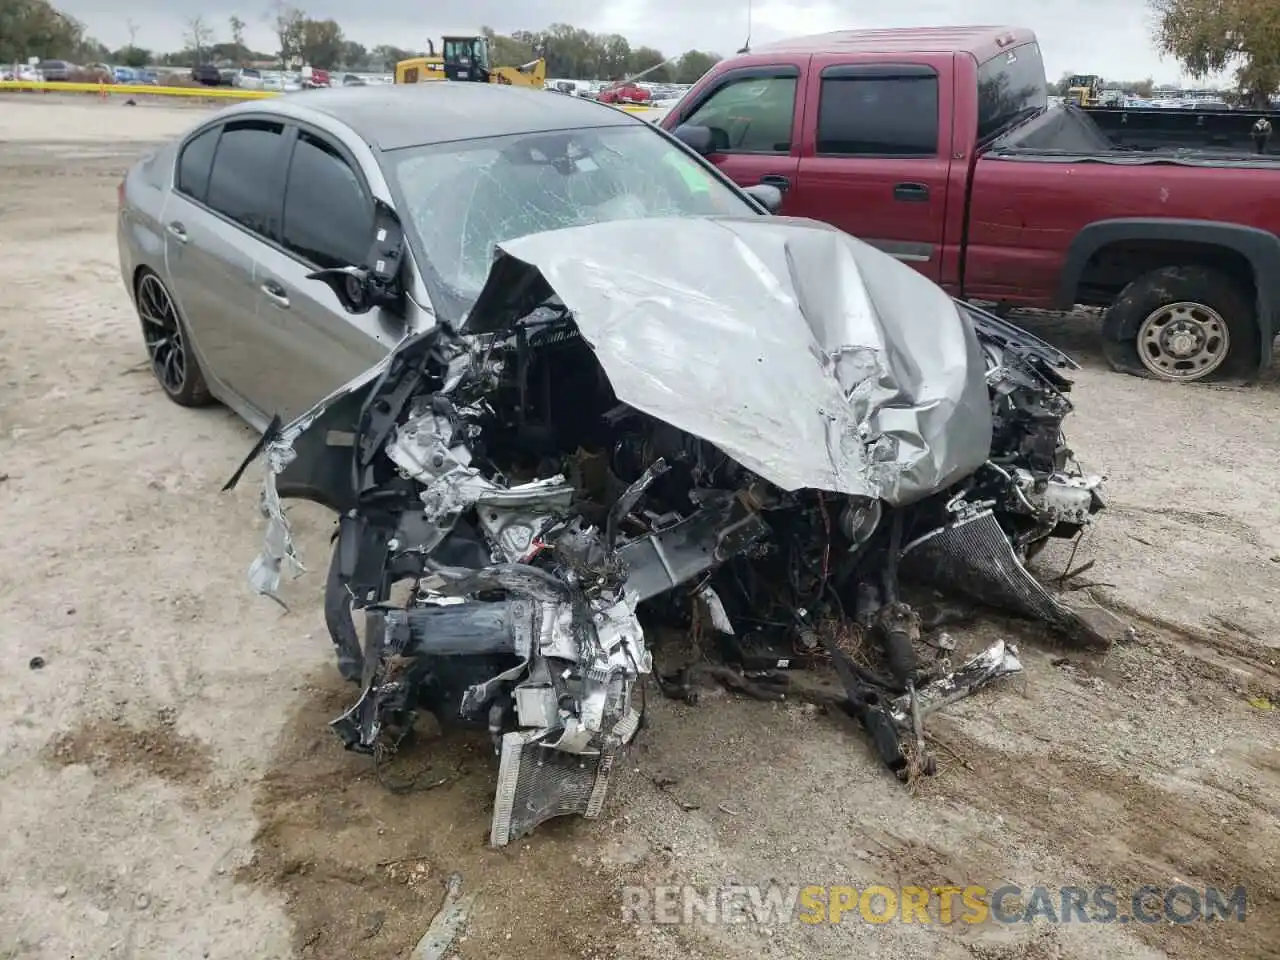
<point x="447" y="923"/>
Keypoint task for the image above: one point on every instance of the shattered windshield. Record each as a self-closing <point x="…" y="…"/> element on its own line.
<point x="460" y="199"/>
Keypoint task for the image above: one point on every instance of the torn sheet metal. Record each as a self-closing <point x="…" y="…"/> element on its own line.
<point x="996" y="661"/>
<point x="808" y="356"/>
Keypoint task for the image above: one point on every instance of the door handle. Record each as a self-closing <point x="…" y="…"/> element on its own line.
<point x="177" y="231"/>
<point x="777" y="180"/>
<point x="276" y="294"/>
<point x="911" y="192"/>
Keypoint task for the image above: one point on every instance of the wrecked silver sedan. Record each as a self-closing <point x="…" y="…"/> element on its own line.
<point x="747" y="428"/>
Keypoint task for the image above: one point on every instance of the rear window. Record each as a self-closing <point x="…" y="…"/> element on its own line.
<point x="1011" y="87"/>
<point x="195" y="162"/>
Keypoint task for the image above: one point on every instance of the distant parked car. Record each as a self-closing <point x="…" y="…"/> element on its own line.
<point x="354" y="80"/>
<point x="207" y="74"/>
<point x="247" y="79"/>
<point x="625" y="93"/>
<point x="23" y="72"/>
<point x="55" y="71"/>
<point x="313" y="78"/>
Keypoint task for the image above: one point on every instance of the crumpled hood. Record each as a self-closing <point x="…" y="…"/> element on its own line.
<point x="811" y="358"/>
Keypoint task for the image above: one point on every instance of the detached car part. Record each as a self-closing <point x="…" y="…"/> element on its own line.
<point x="755" y="430"/>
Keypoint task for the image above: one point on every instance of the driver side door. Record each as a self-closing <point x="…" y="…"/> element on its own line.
<point x="755" y="117"/>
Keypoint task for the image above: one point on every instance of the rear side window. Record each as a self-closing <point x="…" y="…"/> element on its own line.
<point x="241" y="184"/>
<point x="879" y="115"/>
<point x="328" y="218"/>
<point x="1011" y="87"/>
<point x="750" y="115"/>
<point x="195" y="164"/>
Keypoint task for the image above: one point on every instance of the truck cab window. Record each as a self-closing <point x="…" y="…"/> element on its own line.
<point x="878" y="116"/>
<point x="751" y="115"/>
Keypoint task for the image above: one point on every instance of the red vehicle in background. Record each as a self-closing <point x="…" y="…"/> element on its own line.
<point x="938" y="145"/>
<point x="625" y="92"/>
<point x="313" y="78"/>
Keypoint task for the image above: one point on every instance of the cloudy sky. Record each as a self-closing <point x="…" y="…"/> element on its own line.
<point x="1110" y="37"/>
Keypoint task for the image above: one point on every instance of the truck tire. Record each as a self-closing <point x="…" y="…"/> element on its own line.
<point x="1182" y="324"/>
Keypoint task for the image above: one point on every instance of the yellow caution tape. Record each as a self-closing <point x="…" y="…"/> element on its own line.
<point x="144" y="89"/>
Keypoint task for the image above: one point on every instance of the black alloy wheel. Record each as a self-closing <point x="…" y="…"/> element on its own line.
<point x="174" y="367"/>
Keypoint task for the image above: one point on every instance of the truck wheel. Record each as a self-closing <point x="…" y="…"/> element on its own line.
<point x="1182" y="324"/>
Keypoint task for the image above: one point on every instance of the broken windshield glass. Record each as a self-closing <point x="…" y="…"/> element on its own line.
<point x="459" y="200"/>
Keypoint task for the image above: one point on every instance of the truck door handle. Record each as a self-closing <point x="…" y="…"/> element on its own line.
<point x="777" y="180"/>
<point x="177" y="231"/>
<point x="276" y="294"/>
<point x="911" y="192"/>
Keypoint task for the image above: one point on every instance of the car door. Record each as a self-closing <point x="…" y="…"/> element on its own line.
<point x="873" y="161"/>
<point x="216" y="222"/>
<point x="327" y="221"/>
<point x="755" y="120"/>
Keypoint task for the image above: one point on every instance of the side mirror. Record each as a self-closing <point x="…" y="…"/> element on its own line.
<point x="696" y="138"/>
<point x="765" y="194"/>
<point x="376" y="283"/>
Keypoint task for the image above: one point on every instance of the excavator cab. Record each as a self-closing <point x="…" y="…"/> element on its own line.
<point x="1082" y="90"/>
<point x="466" y="58"/>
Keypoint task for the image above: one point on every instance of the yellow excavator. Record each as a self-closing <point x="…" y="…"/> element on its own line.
<point x="466" y="59"/>
<point x="1082" y="90"/>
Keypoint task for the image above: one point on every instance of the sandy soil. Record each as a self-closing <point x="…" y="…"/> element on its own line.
<point x="168" y="787"/>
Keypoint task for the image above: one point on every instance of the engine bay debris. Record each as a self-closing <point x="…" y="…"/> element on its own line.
<point x="751" y="442"/>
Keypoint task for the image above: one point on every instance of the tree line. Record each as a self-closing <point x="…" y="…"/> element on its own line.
<point x="37" y="28"/>
<point x="1211" y="36"/>
<point x="1205" y="36"/>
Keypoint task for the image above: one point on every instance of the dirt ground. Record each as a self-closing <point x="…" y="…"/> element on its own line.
<point x="168" y="787"/>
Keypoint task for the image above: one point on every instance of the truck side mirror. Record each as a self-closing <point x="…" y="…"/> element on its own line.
<point x="698" y="139"/>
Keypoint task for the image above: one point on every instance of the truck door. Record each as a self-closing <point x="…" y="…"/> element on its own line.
<point x="754" y="117"/>
<point x="872" y="160"/>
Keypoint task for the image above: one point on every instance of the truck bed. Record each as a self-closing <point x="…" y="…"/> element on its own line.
<point x="1138" y="136"/>
<point x="1161" y="129"/>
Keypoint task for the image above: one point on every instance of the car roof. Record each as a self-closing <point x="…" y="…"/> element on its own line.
<point x="391" y="116"/>
<point x="983" y="42"/>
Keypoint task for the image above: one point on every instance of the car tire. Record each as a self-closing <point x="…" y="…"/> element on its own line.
<point x="173" y="362"/>
<point x="1183" y="324"/>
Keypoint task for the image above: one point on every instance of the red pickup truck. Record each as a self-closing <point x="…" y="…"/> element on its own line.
<point x="939" y="147"/>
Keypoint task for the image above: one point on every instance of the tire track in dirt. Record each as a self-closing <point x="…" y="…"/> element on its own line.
<point x="1117" y="828"/>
